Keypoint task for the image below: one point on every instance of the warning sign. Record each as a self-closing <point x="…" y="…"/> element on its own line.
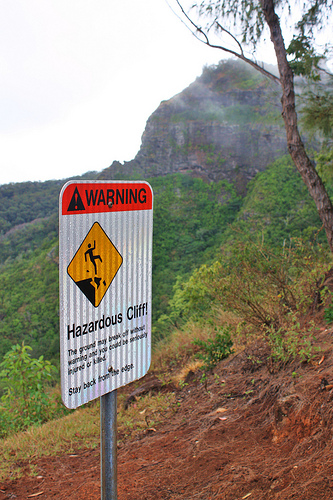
<point x="105" y="281"/>
<point x="90" y="197"/>
<point x="95" y="264"/>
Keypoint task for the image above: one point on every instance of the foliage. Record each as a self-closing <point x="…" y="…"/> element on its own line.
<point x="270" y="291"/>
<point x="26" y="400"/>
<point x="260" y="258"/>
<point x="214" y="350"/>
<point x="294" y="341"/>
<point x="325" y="167"/>
<point x="317" y="110"/>
<point x="28" y="237"/>
<point x="24" y="202"/>
<point x="328" y="313"/>
<point x="278" y="207"/>
<point x="192" y="297"/>
<point x="181" y="242"/>
<point x="311" y="17"/>
<point x="278" y="213"/>
<point x="29" y="308"/>
<point x="305" y="60"/>
<point x="229" y="74"/>
<point x="317" y="118"/>
<point x="251" y="18"/>
<point x="256" y="283"/>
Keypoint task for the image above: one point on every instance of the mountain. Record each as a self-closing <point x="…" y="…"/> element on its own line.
<point x="199" y="151"/>
<point x="226" y="125"/>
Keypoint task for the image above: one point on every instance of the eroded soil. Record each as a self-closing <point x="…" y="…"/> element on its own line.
<point x="249" y="433"/>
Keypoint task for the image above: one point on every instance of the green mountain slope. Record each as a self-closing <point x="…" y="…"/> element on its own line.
<point x="189" y="220"/>
<point x="278" y="207"/>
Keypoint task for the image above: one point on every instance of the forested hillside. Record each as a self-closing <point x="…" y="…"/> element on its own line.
<point x="192" y="219"/>
<point x="29" y="308"/>
<point x="29" y="269"/>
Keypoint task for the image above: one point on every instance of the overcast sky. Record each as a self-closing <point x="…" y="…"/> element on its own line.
<point x="79" y="79"/>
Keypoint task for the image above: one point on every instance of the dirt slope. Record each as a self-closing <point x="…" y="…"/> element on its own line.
<point x="249" y="433"/>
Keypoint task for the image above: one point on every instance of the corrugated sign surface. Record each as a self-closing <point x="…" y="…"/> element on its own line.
<point x="105" y="266"/>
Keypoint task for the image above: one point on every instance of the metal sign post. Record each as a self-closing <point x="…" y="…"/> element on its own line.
<point x="109" y="446"/>
<point x="105" y="268"/>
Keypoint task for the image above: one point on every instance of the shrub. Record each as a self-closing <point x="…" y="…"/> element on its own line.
<point x="295" y="341"/>
<point x="328" y="313"/>
<point x="26" y="399"/>
<point x="214" y="350"/>
<point x="269" y="291"/>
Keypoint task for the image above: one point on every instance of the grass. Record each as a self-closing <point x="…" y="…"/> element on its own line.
<point x="81" y="429"/>
<point x="172" y="353"/>
<point x="78" y="430"/>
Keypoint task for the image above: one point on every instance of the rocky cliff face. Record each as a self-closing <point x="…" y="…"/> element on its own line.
<point x="225" y="125"/>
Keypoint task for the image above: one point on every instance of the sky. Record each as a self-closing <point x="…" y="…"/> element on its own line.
<point x="80" y="78"/>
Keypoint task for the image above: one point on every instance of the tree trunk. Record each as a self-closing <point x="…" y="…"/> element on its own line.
<point x="295" y="145"/>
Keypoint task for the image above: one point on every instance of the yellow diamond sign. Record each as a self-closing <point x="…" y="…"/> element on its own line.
<point x="95" y="264"/>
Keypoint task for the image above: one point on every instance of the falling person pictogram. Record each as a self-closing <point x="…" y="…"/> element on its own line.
<point x="92" y="257"/>
<point x="95" y="264"/>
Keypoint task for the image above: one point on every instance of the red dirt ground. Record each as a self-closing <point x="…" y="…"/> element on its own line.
<point x="249" y="434"/>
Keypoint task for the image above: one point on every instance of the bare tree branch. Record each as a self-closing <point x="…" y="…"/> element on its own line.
<point x="231" y="35"/>
<point x="206" y="41"/>
<point x="325" y="71"/>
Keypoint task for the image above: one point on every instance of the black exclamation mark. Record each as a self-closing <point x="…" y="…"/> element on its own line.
<point x="75" y="204"/>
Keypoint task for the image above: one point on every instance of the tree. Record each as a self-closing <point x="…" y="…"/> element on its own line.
<point x="253" y="16"/>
